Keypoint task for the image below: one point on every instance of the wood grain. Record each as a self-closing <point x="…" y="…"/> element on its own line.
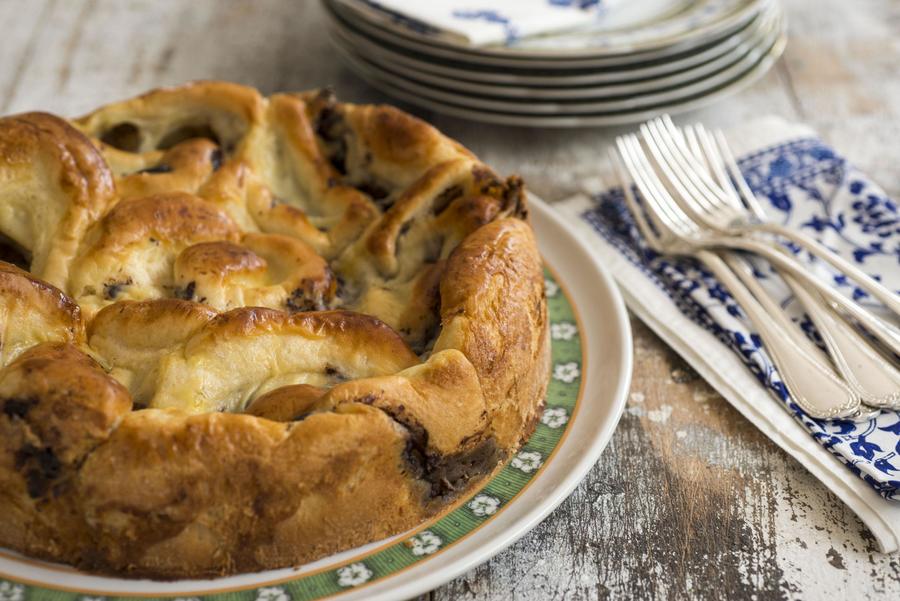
<point x="689" y="501"/>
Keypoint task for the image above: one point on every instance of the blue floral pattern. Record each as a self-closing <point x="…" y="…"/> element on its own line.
<point x="803" y="184"/>
<point x="582" y="4"/>
<point x="491" y="16"/>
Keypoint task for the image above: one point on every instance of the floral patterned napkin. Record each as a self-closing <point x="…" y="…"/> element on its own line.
<point x="806" y="185"/>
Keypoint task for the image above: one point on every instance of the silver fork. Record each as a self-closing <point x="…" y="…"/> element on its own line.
<point x="720" y="211"/>
<point x="862" y="367"/>
<point x="682" y="179"/>
<point x="811" y="382"/>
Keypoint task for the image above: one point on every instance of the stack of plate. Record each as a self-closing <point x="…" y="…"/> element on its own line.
<point x="645" y="58"/>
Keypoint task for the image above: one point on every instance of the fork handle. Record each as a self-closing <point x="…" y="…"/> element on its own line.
<point x="878" y="328"/>
<point x="811" y="383"/>
<point x="887" y="297"/>
<point x="865" y="370"/>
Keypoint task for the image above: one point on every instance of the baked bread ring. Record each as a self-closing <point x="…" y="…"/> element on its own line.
<point x="249" y="332"/>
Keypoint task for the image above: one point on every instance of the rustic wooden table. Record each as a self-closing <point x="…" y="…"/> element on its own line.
<point x="689" y="500"/>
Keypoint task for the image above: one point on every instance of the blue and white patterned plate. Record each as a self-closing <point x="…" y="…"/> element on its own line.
<point x="564" y="84"/>
<point x="804" y="184"/>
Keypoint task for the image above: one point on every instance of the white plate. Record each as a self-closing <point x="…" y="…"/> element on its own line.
<point x="761" y="34"/>
<point x="702" y="20"/>
<point x="640" y="13"/>
<point x="599" y="119"/>
<point x="397" y="85"/>
<point x="606" y="362"/>
<point x="526" y="65"/>
<point x="505" y="78"/>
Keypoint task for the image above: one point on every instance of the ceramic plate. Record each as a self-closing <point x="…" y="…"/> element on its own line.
<point x="524" y="65"/>
<point x="489" y="61"/>
<point x="760" y="35"/>
<point x="701" y="19"/>
<point x="394" y="84"/>
<point x="599" y="119"/>
<point x="504" y="79"/>
<point x="591" y="352"/>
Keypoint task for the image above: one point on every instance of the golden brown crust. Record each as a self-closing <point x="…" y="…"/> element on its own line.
<point x="497" y="272"/>
<point x="57" y="407"/>
<point x="288" y="403"/>
<point x="271" y="491"/>
<point x="132" y="337"/>
<point x="309" y="325"/>
<point x="42" y="157"/>
<point x="32" y="311"/>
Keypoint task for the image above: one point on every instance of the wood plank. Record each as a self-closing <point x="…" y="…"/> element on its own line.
<point x="689" y="501"/>
<point x="20" y="45"/>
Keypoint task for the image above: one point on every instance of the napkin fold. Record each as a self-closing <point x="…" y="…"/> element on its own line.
<point x="484" y="22"/>
<point x="803" y="184"/>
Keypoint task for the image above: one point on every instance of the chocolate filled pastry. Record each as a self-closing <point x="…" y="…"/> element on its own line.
<point x="244" y="333"/>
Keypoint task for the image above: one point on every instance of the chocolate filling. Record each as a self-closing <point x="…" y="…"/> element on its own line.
<point x="19" y="407"/>
<point x="338" y="158"/>
<point x="329" y="126"/>
<point x="215" y="159"/>
<point x="124" y="136"/>
<point x="443" y="200"/>
<point x="334" y="373"/>
<point x="186" y="293"/>
<point x="112" y="288"/>
<point x="14" y="253"/>
<point x="39" y="466"/>
<point x="429" y="336"/>
<point x="299" y="302"/>
<point x="514" y="197"/>
<point x="378" y="193"/>
<point x="444" y="475"/>
<point x="161" y="168"/>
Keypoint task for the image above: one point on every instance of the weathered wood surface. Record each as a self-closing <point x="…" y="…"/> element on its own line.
<point x="689" y="500"/>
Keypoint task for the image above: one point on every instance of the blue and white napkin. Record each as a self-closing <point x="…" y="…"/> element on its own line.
<point x="806" y="185"/>
<point x="484" y="22"/>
